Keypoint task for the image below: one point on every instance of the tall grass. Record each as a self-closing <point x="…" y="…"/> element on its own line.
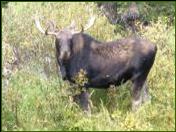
<point x="37" y="99"/>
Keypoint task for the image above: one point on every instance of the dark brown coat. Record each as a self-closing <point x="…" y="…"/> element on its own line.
<point x="109" y="63"/>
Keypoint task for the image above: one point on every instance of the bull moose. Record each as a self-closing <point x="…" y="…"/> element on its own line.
<point x="106" y="63"/>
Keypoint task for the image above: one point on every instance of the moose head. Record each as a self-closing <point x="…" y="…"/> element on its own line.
<point x="63" y="36"/>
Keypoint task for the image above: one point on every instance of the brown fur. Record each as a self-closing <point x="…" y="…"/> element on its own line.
<point x="121" y="49"/>
<point x="107" y="63"/>
<point x="79" y="44"/>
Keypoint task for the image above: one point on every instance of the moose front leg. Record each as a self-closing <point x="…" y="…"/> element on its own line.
<point x="61" y="69"/>
<point x="62" y="72"/>
<point x="83" y="100"/>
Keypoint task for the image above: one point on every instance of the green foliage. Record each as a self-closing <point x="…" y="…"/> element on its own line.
<point x="36" y="100"/>
<point x="81" y="78"/>
<point x="157" y="9"/>
<point x="4" y="4"/>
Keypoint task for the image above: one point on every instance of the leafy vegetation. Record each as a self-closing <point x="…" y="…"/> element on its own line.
<point x="35" y="98"/>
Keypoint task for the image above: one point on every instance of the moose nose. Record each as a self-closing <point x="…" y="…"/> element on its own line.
<point x="64" y="55"/>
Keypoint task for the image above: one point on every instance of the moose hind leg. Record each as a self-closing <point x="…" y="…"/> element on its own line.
<point x="137" y="92"/>
<point x="145" y="93"/>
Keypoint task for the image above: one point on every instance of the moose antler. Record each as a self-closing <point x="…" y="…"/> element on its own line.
<point x="54" y="31"/>
<point x="89" y="23"/>
<point x="86" y="27"/>
<point x="51" y="25"/>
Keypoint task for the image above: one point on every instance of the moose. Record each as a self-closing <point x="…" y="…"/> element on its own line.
<point x="105" y="63"/>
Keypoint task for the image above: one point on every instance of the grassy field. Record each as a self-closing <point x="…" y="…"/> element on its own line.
<point x="35" y="98"/>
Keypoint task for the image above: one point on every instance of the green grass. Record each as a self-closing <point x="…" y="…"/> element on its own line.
<point x="34" y="102"/>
